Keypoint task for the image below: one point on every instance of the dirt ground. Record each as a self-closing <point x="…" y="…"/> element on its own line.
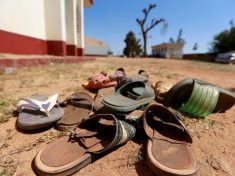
<point x="213" y="137"/>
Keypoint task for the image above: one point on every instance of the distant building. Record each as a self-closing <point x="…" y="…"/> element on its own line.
<point x="168" y="50"/>
<point x="95" y="47"/>
<point x="45" y="27"/>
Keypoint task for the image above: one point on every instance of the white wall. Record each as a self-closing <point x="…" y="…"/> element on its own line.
<point x="174" y="53"/>
<point x="55" y="19"/>
<point x="44" y="19"/>
<point x="25" y="17"/>
<point x="80" y="23"/>
<point x="89" y="50"/>
<point x="71" y="21"/>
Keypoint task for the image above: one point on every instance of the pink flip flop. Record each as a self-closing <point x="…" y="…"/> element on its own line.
<point x="99" y="81"/>
<point x="119" y="73"/>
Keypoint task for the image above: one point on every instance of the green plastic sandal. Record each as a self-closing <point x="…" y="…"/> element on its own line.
<point x="199" y="98"/>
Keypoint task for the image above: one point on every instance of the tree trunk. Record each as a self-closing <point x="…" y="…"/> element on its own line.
<point x="145" y="45"/>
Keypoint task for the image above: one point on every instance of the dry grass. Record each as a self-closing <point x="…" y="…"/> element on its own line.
<point x="9" y="162"/>
<point x="6" y="109"/>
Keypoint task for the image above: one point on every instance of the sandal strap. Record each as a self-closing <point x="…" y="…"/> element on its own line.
<point x="202" y="101"/>
<point x="157" y="119"/>
<point x="142" y="76"/>
<point x="135" y="90"/>
<point x="124" y="132"/>
<point x="119" y="73"/>
<point x="33" y="104"/>
<point x="79" y="99"/>
<point x="79" y="96"/>
<point x="169" y="124"/>
<point x="77" y="102"/>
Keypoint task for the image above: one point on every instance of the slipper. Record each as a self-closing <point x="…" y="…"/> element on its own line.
<point x="141" y="76"/>
<point x="91" y="139"/>
<point x="198" y="98"/>
<point x="99" y="81"/>
<point x="130" y="96"/>
<point x="98" y="105"/>
<point x="38" y="111"/>
<point x="77" y="108"/>
<point x="144" y="74"/>
<point x="168" y="147"/>
<point x="119" y="73"/>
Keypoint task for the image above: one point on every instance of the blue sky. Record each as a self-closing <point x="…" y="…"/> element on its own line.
<point x="201" y="20"/>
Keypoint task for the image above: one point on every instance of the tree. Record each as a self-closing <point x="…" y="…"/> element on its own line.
<point x="231" y="23"/>
<point x="171" y="40"/>
<point x="133" y="47"/>
<point x="110" y="52"/>
<point x="144" y="28"/>
<point x="195" y="46"/>
<point x="179" y="38"/>
<point x="224" y="41"/>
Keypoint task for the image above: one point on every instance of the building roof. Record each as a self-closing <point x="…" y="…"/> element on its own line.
<point x="88" y="3"/>
<point x="92" y="42"/>
<point x="168" y="45"/>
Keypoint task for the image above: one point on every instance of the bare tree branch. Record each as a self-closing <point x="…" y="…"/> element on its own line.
<point x="153" y="24"/>
<point x="146" y="12"/>
<point x="146" y="29"/>
<point x="141" y="23"/>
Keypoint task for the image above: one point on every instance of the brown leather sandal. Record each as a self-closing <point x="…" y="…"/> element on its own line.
<point x="168" y="147"/>
<point x="92" y="137"/>
<point x="77" y="109"/>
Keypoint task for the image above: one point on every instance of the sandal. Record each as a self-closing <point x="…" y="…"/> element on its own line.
<point x="141" y="76"/>
<point x="119" y="73"/>
<point x="168" y="147"/>
<point x="98" y="106"/>
<point x="99" y="81"/>
<point x="198" y="98"/>
<point x="130" y="96"/>
<point x="38" y="111"/>
<point x="77" y="108"/>
<point x="93" y="137"/>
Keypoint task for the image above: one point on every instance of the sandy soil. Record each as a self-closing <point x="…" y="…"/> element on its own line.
<point x="213" y="138"/>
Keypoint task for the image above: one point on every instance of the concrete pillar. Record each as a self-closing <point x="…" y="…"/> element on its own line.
<point x="80" y="27"/>
<point x="71" y="27"/>
<point x="55" y="27"/>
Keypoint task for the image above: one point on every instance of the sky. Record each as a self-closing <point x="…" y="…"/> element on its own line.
<point x="200" y="20"/>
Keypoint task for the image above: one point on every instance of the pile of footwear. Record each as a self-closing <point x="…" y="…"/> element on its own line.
<point x="168" y="150"/>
